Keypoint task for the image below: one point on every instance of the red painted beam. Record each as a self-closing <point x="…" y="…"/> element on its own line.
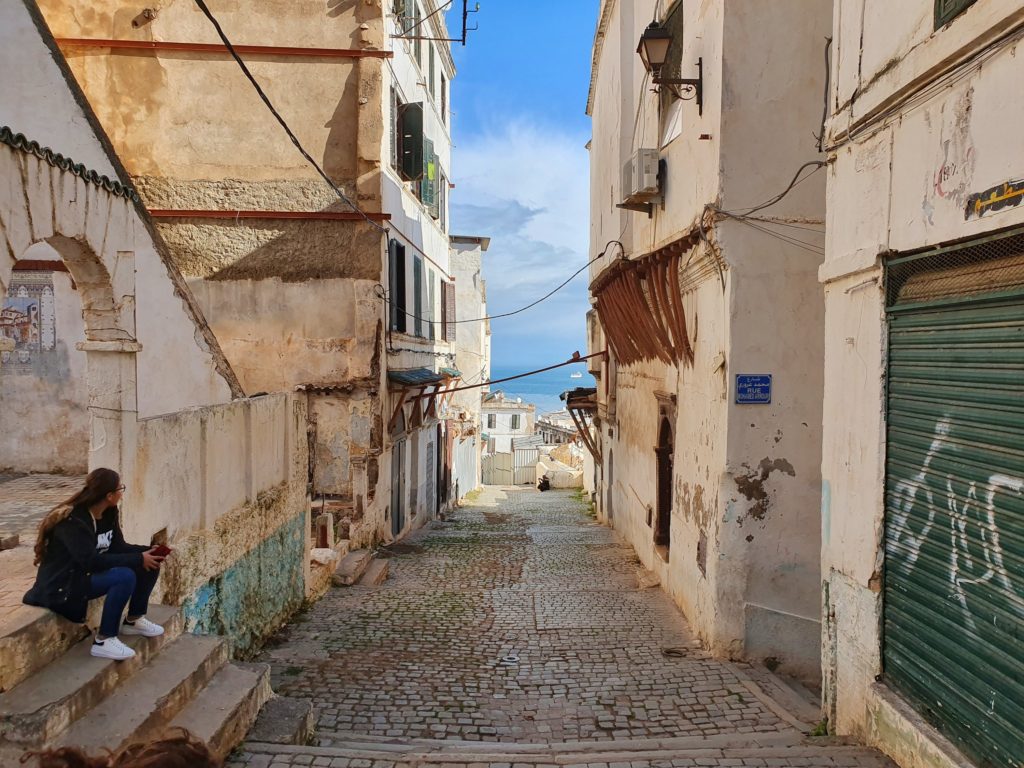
<point x="168" y="213"/>
<point x="258" y="50"/>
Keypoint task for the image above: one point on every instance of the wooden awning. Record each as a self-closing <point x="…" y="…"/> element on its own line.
<point x="641" y="306"/>
<point x="580" y="403"/>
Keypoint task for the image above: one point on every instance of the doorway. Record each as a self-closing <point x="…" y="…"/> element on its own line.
<point x="663" y="523"/>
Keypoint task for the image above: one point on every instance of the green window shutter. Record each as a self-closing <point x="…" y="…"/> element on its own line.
<point x="431" y="300"/>
<point x="395" y="144"/>
<point x="947" y="10"/>
<point x="396" y="282"/>
<point x="428" y="186"/>
<point x="417" y="292"/>
<point x="432" y="74"/>
<point x="412" y="141"/>
<point x="449" y="312"/>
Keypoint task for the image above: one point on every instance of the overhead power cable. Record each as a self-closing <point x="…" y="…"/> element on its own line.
<point x="795" y="182"/>
<point x="387" y="301"/>
<point x="576" y="358"/>
<point x="281" y="121"/>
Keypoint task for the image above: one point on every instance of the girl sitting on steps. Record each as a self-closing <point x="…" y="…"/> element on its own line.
<point x="82" y="555"/>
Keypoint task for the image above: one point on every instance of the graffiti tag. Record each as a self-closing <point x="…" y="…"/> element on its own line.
<point x="1009" y="194"/>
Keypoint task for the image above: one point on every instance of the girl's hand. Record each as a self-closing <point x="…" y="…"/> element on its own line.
<point x="150" y="561"/>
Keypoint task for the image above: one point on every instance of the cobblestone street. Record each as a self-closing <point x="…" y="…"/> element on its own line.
<point x="517" y="626"/>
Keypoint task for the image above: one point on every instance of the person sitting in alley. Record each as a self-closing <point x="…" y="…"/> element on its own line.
<point x="81" y="554"/>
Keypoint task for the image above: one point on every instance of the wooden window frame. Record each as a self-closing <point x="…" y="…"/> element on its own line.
<point x="947" y="10"/>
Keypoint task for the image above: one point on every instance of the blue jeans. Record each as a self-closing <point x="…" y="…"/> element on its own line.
<point x="122" y="586"/>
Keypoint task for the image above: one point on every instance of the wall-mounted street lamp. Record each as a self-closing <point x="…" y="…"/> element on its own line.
<point x="653" y="50"/>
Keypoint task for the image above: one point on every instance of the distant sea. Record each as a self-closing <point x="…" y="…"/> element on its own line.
<point x="541" y="389"/>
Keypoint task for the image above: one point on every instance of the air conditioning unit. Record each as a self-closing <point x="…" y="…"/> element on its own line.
<point x="640" y="177"/>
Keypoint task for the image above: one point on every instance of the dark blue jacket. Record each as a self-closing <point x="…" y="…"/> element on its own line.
<point x="62" y="583"/>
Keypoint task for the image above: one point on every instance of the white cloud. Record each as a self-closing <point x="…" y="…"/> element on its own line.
<point x="527" y="188"/>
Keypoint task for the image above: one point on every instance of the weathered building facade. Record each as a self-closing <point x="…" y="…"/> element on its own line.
<point x="472" y="346"/>
<point x="706" y="298"/>
<point x="110" y="362"/>
<point x="295" y="281"/>
<point x="923" y="468"/>
<point x="505" y="419"/>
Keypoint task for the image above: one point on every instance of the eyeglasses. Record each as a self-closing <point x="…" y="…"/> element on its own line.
<point x="120" y="488"/>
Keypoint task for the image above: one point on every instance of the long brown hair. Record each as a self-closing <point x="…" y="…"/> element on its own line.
<point x="181" y="750"/>
<point x="98" y="484"/>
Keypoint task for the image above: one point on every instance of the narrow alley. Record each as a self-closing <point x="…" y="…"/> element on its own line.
<point x="515" y="632"/>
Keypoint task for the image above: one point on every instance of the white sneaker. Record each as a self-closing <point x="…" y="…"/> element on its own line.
<point x="142" y="626"/>
<point x="111" y="648"/>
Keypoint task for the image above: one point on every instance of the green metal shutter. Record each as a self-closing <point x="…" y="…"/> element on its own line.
<point x="954" y="522"/>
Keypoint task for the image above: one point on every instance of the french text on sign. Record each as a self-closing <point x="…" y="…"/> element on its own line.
<point x="753" y="389"/>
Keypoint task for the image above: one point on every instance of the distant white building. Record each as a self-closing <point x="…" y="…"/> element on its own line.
<point x="505" y="420"/>
<point x="472" y="347"/>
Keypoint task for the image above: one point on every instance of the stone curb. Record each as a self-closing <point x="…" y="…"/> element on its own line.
<point x="569" y="753"/>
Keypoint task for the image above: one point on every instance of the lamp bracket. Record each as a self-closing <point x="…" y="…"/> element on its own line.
<point x="694" y="84"/>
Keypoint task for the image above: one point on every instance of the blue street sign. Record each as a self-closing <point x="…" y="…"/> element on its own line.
<point x="753" y="389"/>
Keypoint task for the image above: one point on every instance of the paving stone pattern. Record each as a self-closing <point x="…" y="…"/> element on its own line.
<point x="848" y="758"/>
<point x="517" y="621"/>
<point x="24" y="501"/>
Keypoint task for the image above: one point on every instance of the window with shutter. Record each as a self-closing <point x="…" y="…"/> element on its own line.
<point x="442" y="201"/>
<point x="396" y="286"/>
<point x="515" y="421"/>
<point x="444" y="99"/>
<point x="432" y="72"/>
<point x="947" y="10"/>
<point x="428" y="183"/>
<point x="492" y="421"/>
<point x="417" y="294"/>
<point x="449" y="312"/>
<point x="431" y="300"/>
<point x="396" y="153"/>
<point x="444" y="311"/>
<point x="417" y="45"/>
<point x="412" y="143"/>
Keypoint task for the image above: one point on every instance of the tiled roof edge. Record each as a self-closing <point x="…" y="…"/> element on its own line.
<point x="22" y="143"/>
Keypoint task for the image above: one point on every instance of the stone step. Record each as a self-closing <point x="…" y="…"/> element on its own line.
<point x="152" y="696"/>
<point x="226" y="708"/>
<point x="284" y="720"/>
<point x="41" y="707"/>
<point x="724" y="750"/>
<point x="351" y="567"/>
<point x="31" y="638"/>
<point x="376" y="573"/>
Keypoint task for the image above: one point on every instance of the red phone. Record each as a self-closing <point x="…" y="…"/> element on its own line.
<point x="162" y="550"/>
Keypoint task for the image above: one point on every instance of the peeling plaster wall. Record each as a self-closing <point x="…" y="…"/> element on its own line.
<point x="228" y="484"/>
<point x="44" y="421"/>
<point x="129" y="293"/>
<point x="743" y="562"/>
<point x="322" y="332"/>
<point x="899" y="185"/>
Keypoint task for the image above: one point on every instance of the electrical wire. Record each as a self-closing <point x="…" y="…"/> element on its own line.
<point x="424" y="19"/>
<point x="277" y="116"/>
<point x="794" y="183"/>
<point x="802" y="244"/>
<point x="576" y="358"/>
<point x="383" y="294"/>
<point x="949" y="79"/>
<point x="816" y="228"/>
<point x="824" y="112"/>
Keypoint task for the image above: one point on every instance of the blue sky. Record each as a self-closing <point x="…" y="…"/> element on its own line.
<point x="520" y="167"/>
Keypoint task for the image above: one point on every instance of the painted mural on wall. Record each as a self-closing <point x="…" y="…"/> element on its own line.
<point x="28" y="318"/>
